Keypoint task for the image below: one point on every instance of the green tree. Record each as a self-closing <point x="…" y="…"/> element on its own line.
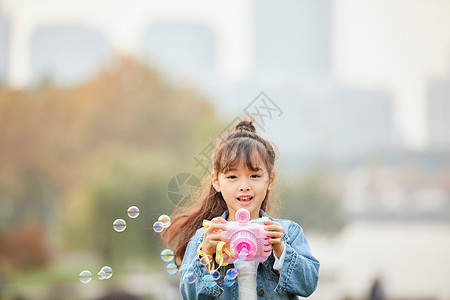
<point x="311" y="201"/>
<point x="75" y="158"/>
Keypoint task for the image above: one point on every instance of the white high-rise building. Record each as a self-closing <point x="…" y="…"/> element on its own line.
<point x="438" y="120"/>
<point x="4" y="45"/>
<point x="67" y="54"/>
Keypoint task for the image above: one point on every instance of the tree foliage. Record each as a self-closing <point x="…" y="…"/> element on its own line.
<point x="313" y="202"/>
<point x="73" y="159"/>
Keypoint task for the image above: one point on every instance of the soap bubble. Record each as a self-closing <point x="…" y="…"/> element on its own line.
<point x="133" y="212"/>
<point x="209" y="281"/>
<point x="239" y="263"/>
<point x="205" y="260"/>
<point x="215" y="274"/>
<point x="167" y="255"/>
<point x="190" y="277"/>
<point x="119" y="225"/>
<point x="172" y="268"/>
<point x="228" y="281"/>
<point x="107" y="271"/>
<point x="232" y="273"/>
<point x="85" y="276"/>
<point x="185" y="267"/>
<point x="158" y="227"/>
<point x="101" y="275"/>
<point x="165" y="220"/>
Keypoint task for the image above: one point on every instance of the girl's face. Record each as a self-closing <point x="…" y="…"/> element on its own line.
<point x="244" y="188"/>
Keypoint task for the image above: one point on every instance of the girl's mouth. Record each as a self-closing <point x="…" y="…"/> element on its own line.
<point x="245" y="199"/>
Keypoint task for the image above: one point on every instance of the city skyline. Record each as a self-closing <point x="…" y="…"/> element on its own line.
<point x="319" y="45"/>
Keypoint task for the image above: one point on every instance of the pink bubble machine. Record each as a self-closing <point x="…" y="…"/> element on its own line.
<point x="247" y="239"/>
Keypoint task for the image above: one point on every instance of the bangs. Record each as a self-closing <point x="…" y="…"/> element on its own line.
<point x="249" y="153"/>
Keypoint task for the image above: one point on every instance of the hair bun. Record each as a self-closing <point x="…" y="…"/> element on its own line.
<point x="245" y="125"/>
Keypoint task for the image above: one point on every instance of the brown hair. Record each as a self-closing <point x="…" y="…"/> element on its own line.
<point x="241" y="145"/>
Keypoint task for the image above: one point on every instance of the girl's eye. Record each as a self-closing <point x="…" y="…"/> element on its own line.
<point x="231" y="177"/>
<point x="255" y="176"/>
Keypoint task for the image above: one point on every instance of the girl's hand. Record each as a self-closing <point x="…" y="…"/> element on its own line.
<point x="275" y="233"/>
<point x="213" y="236"/>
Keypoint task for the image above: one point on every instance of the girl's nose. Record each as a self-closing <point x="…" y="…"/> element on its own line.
<point x="244" y="187"/>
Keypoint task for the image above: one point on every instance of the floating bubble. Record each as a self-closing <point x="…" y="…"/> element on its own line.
<point x="133" y="212"/>
<point x="209" y="281"/>
<point x="215" y="274"/>
<point x="190" y="277"/>
<point x="232" y="273"/>
<point x="107" y="271"/>
<point x="85" y="276"/>
<point x="119" y="225"/>
<point x="185" y="267"/>
<point x="101" y="275"/>
<point x="158" y="227"/>
<point x="228" y="281"/>
<point x="167" y="255"/>
<point x="165" y="220"/>
<point x="172" y="268"/>
<point x="205" y="260"/>
<point x="239" y="263"/>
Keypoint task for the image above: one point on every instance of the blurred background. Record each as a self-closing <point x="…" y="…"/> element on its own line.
<point x="105" y="104"/>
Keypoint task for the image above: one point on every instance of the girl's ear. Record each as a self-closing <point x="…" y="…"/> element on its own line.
<point x="215" y="182"/>
<point x="271" y="181"/>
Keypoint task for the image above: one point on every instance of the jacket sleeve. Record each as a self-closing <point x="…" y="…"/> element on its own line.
<point x="191" y="262"/>
<point x="300" y="270"/>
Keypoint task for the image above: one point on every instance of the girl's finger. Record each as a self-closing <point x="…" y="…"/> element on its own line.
<point x="275" y="234"/>
<point x="213" y="243"/>
<point x="218" y="220"/>
<point x="275" y="241"/>
<point x="215" y="237"/>
<point x="273" y="228"/>
<point x="214" y="227"/>
<point x="218" y="237"/>
<point x="269" y="222"/>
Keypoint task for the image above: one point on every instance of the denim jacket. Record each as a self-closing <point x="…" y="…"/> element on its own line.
<point x="298" y="276"/>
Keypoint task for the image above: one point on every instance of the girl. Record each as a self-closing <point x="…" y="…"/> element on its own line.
<point x="242" y="177"/>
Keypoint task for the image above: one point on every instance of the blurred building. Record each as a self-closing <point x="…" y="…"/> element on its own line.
<point x="188" y="50"/>
<point x="408" y="190"/>
<point x="293" y="37"/>
<point x="286" y="49"/>
<point x="67" y="54"/>
<point x="332" y="123"/>
<point x="4" y="45"/>
<point x="125" y="26"/>
<point x="361" y="123"/>
<point x="398" y="251"/>
<point x="293" y="63"/>
<point x="438" y="113"/>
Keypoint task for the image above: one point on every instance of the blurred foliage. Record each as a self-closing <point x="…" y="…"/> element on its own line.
<point x="313" y="202"/>
<point x="74" y="159"/>
<point x="15" y="246"/>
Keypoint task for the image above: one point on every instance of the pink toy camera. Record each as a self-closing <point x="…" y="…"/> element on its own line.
<point x="247" y="239"/>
